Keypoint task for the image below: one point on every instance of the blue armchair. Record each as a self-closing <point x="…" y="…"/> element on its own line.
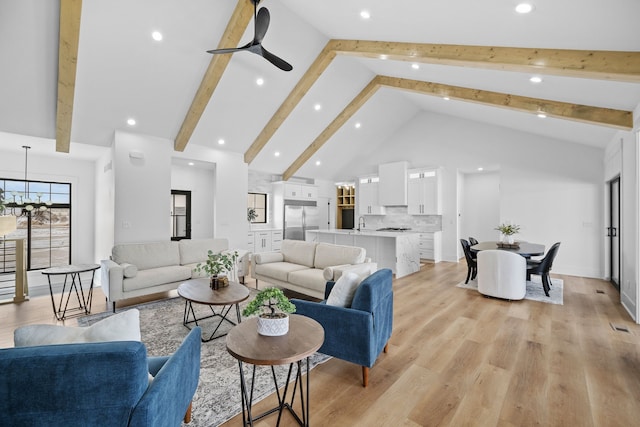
<point x="98" y="384"/>
<point x="360" y="333"/>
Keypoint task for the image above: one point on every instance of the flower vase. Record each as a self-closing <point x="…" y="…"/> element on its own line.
<point x="501" y="238"/>
<point x="510" y="239"/>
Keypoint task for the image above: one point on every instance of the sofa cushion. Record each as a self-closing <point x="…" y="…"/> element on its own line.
<point x="123" y="326"/>
<point x="310" y="278"/>
<point x="344" y="289"/>
<point x="278" y="270"/>
<point x="299" y="252"/>
<point x="195" y="251"/>
<point x="156" y="276"/>
<point x="147" y="255"/>
<point x="329" y="255"/>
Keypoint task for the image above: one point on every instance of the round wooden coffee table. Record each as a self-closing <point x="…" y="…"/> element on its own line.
<point x="304" y="338"/>
<point x="198" y="291"/>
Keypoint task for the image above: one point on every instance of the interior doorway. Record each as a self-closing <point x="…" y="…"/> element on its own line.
<point x="613" y="232"/>
<point x="180" y="214"/>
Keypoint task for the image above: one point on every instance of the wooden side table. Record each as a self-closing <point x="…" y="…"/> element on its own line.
<point x="198" y="291"/>
<point x="74" y="271"/>
<point x="304" y="338"/>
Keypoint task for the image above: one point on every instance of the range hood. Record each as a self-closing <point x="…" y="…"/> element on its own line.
<point x="392" y="189"/>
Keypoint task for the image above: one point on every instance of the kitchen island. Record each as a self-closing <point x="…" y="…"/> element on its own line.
<point x="399" y="251"/>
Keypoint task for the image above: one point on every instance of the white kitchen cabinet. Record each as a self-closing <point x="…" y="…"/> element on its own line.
<point x="424" y="192"/>
<point x="295" y="191"/>
<point x="431" y="246"/>
<point x="367" y="196"/>
<point x="392" y="190"/>
<point x="266" y="240"/>
<point x="250" y="241"/>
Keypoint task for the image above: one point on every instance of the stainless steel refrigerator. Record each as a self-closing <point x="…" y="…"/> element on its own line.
<point x="298" y="218"/>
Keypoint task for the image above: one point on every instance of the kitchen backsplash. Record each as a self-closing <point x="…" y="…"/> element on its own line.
<point x="397" y="216"/>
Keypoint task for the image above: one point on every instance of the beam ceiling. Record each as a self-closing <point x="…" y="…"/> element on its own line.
<point x="70" y="11"/>
<point x="582" y="113"/>
<point x="606" y="65"/>
<point x="230" y="38"/>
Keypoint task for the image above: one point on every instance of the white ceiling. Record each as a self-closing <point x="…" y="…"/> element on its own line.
<point x="122" y="72"/>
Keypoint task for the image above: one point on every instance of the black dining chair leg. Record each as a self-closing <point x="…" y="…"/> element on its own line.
<point x="545" y="284"/>
<point x="468" y="275"/>
<point x="474" y="273"/>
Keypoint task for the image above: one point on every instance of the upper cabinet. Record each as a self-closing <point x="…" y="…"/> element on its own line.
<point x="424" y="192"/>
<point x="367" y="196"/>
<point x="297" y="191"/>
<point x="393" y="184"/>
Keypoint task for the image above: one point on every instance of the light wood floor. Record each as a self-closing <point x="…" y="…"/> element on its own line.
<point x="459" y="359"/>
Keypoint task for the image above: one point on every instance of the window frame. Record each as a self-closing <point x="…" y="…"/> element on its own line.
<point x="253" y="205"/>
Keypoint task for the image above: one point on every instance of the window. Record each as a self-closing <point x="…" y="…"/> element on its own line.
<point x="46" y="227"/>
<point x="257" y="202"/>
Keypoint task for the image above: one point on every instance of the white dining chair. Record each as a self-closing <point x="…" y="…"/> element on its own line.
<point x="502" y="274"/>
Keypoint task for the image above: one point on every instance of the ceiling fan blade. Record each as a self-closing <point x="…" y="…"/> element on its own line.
<point x="278" y="62"/>
<point x="229" y="50"/>
<point x="261" y="25"/>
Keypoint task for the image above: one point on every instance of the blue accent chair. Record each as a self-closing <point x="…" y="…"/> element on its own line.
<point x="98" y="384"/>
<point x="360" y="333"/>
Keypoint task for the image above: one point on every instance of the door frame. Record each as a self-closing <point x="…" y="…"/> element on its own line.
<point x="186" y="193"/>
<point x="614" y="231"/>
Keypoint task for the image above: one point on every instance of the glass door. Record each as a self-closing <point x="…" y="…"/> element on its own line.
<point x="180" y="215"/>
<point x="613" y="231"/>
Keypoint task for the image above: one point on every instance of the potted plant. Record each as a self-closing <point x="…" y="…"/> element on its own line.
<point x="508" y="230"/>
<point x="251" y="214"/>
<point x="272" y="308"/>
<point x="217" y="264"/>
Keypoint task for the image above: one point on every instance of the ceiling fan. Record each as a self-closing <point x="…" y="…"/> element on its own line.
<point x="261" y="19"/>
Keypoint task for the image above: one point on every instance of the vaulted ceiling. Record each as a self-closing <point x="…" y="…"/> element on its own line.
<point x="77" y="71"/>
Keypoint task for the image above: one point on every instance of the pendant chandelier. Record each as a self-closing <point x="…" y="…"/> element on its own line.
<point x="24" y="200"/>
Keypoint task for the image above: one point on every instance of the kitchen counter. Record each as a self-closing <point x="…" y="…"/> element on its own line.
<point x="397" y="250"/>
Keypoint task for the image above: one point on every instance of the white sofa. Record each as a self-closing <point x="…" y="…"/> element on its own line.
<point x="306" y="267"/>
<point x="137" y="269"/>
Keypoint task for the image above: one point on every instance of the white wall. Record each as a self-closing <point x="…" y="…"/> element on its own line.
<point x="200" y="182"/>
<point x="105" y="206"/>
<point x="480" y="205"/>
<point x="552" y="188"/>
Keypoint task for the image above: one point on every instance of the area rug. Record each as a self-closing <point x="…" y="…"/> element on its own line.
<point x="217" y="398"/>
<point x="535" y="292"/>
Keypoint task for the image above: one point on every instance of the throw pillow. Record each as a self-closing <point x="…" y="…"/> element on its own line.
<point x="123" y="326"/>
<point x="344" y="289"/>
<point x="129" y="270"/>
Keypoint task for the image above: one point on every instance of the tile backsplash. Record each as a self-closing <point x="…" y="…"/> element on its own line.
<point x="397" y="216"/>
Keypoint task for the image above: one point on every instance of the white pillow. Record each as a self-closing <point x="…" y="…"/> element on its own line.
<point x="129" y="270"/>
<point x="343" y="291"/>
<point x="123" y="326"/>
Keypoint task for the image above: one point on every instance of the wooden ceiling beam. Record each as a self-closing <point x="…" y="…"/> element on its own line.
<point x="70" y="13"/>
<point x="295" y="96"/>
<point x="593" y="64"/>
<point x="333" y="127"/>
<point x="617" y="119"/>
<point x="236" y="27"/>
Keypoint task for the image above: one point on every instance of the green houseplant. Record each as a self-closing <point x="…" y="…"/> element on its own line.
<point x="216" y="264"/>
<point x="251" y="214"/>
<point x="272" y="308"/>
<point x="508" y="230"/>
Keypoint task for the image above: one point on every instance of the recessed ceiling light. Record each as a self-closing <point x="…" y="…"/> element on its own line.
<point x="259" y="81"/>
<point x="415" y="66"/>
<point x="157" y="35"/>
<point x="317" y="107"/>
<point x="131" y="122"/>
<point x="446" y="98"/>
<point x="221" y="141"/>
<point x="365" y="14"/>
<point x="357" y="125"/>
<point x="191" y="163"/>
<point x="535" y="79"/>
<point x="318" y="163"/>
<point x="542" y="115"/>
<point x="524" y="8"/>
<point x="277" y="154"/>
<point x="480" y="169"/>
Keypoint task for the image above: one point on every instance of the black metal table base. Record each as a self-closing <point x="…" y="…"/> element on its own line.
<point x="84" y="304"/>
<point x="247" y="396"/>
<point x="190" y="313"/>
